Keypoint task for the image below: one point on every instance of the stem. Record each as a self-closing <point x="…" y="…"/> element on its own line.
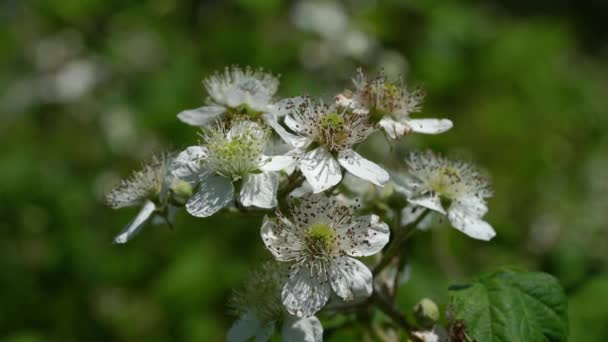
<point x="391" y="311"/>
<point x="395" y="246"/>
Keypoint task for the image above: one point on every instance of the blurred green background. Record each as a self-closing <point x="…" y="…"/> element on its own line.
<point x="89" y="89"/>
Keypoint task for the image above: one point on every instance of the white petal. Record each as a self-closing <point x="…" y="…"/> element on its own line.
<point x="429" y="126"/>
<point x="290" y="138"/>
<point x="366" y="237"/>
<point x="362" y="168"/>
<point x="430" y="201"/>
<point x="201" y="116"/>
<point x="389" y="127"/>
<point x="460" y="217"/>
<point x="186" y="165"/>
<point x="294" y="125"/>
<point x="438" y="334"/>
<point x="320" y="168"/>
<point x="249" y="326"/>
<point x="475" y="206"/>
<point x="307" y="329"/>
<point x="351" y="279"/>
<point x="286" y="106"/>
<point x="305" y="293"/>
<point x="215" y="193"/>
<point x="137" y="224"/>
<point x="282" y="243"/>
<point x="302" y="190"/>
<point x="277" y="163"/>
<point x="260" y="190"/>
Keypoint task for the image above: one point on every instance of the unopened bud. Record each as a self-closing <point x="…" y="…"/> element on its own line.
<point x="181" y="192"/>
<point x="426" y="313"/>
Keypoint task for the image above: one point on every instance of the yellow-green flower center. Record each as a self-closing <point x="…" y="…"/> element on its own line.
<point x="320" y="237"/>
<point x="332" y="121"/>
<point x="445" y="182"/>
<point x="244" y="111"/>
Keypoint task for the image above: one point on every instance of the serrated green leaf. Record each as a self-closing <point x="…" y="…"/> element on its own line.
<point x="512" y="306"/>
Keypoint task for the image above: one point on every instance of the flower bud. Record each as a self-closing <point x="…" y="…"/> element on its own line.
<point x="180" y="192"/>
<point x="426" y="313"/>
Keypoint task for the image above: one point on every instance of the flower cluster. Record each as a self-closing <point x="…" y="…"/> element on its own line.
<point x="257" y="153"/>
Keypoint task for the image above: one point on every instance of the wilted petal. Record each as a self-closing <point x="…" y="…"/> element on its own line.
<point x="429" y="126"/>
<point x="260" y="190"/>
<point x="307" y="329"/>
<point x="362" y="168"/>
<point x="460" y="217"/>
<point x="366" y="237"/>
<point x="321" y="170"/>
<point x="137" y="224"/>
<point x="389" y="127"/>
<point x="430" y="201"/>
<point x="351" y="279"/>
<point x="277" y="163"/>
<point x="249" y="326"/>
<point x="215" y="193"/>
<point x="304" y="293"/>
<point x="201" y="116"/>
<point x="186" y="165"/>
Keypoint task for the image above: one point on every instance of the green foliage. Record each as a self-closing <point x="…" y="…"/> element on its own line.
<point x="512" y="306"/>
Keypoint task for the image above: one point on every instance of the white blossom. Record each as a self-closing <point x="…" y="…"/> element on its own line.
<point x="235" y="92"/>
<point x="452" y="188"/>
<point x="151" y="188"/>
<point x="318" y="240"/>
<point x="390" y="105"/>
<point x="259" y="309"/>
<point x="324" y="137"/>
<point x="228" y="155"/>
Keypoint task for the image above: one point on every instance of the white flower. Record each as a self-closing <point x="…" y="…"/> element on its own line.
<point x="228" y="155"/>
<point x="318" y="241"/>
<point x="236" y="92"/>
<point x="451" y="188"/>
<point x="390" y="105"/>
<point x="324" y="137"/>
<point x="259" y="308"/>
<point x="151" y="188"/>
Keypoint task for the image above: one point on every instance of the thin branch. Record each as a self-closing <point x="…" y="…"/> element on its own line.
<point x="396" y="245"/>
<point x="391" y="311"/>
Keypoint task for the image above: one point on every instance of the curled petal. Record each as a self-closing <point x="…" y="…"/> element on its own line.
<point x="429" y="126"/>
<point x="473" y="226"/>
<point x="137" y="224"/>
<point x="430" y="201"/>
<point x="186" y="165"/>
<point x="362" y="168"/>
<point x="201" y="116"/>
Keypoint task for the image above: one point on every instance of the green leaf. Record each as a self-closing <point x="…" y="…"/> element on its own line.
<point x="512" y="306"/>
